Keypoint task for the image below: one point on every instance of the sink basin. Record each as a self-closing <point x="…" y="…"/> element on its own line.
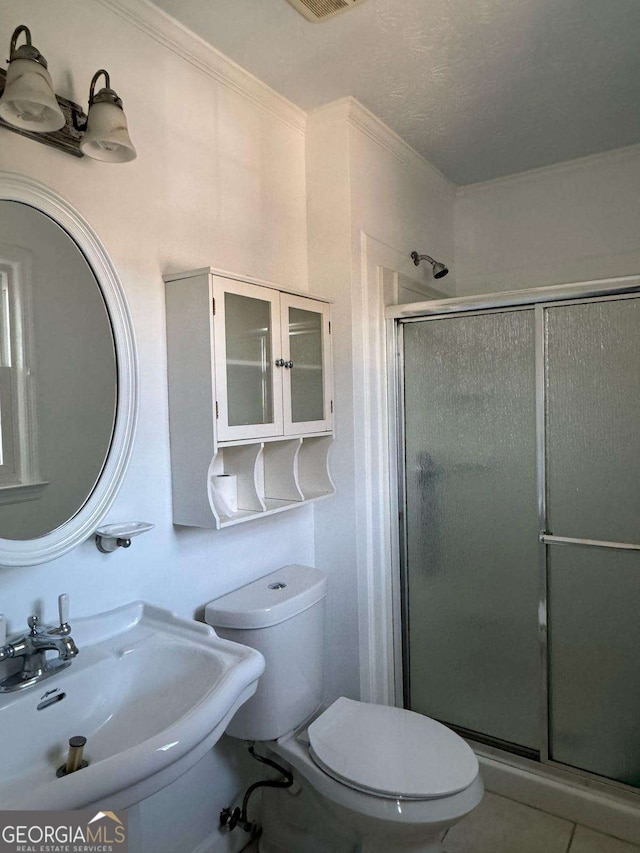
<point x="150" y="691"/>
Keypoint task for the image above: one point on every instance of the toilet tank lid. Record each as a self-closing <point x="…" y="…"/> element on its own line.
<point x="269" y="600"/>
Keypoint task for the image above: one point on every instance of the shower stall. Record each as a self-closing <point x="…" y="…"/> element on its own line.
<point x="519" y="463"/>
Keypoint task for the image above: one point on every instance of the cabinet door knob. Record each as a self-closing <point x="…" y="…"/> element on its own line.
<point x="280" y="362"/>
<point x="288" y="364"/>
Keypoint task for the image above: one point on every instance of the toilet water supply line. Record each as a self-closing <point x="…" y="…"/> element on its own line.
<point x="230" y="818"/>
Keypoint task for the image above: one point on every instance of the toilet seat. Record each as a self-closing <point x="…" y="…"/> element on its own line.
<point x="371" y="807"/>
<point x="390" y="752"/>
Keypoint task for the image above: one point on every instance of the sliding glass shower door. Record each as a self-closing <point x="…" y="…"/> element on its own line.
<point x="593" y="497"/>
<point x="472" y="523"/>
<point x="521" y="528"/>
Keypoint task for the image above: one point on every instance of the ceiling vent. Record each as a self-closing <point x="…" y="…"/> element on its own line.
<point x="322" y="10"/>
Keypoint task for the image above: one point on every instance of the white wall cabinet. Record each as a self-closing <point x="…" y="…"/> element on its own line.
<point x="250" y="395"/>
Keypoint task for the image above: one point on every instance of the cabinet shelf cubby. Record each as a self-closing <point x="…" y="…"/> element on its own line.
<point x="272" y="476"/>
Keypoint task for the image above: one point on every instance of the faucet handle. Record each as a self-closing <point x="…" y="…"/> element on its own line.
<point x="3" y="629"/>
<point x="63" y="612"/>
<point x="63" y="608"/>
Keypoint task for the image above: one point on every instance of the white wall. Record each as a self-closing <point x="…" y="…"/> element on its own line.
<point x="220" y="180"/>
<point x="398" y="198"/>
<point x="575" y="221"/>
<point x="328" y="182"/>
<point x="365" y="186"/>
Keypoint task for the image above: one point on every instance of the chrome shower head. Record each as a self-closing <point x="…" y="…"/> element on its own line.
<point x="439" y="270"/>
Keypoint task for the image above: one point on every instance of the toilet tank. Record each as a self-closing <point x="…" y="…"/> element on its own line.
<point x="282" y="616"/>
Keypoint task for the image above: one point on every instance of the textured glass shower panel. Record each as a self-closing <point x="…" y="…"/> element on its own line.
<point x="472" y="523"/>
<point x="593" y="415"/>
<point x="594" y="636"/>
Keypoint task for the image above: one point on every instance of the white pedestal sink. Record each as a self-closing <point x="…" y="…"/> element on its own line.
<point x="151" y="692"/>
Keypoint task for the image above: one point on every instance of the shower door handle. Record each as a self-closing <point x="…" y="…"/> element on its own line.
<point x="550" y="539"/>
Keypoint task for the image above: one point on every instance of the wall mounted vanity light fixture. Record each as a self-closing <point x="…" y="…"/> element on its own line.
<point x="30" y="107"/>
<point x="110" y="537"/>
<point x="28" y="101"/>
<point x="107" y="136"/>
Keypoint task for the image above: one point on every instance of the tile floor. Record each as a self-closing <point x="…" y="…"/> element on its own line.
<point x="499" y="825"/>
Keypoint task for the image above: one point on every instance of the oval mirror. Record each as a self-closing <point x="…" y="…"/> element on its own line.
<point x="67" y="376"/>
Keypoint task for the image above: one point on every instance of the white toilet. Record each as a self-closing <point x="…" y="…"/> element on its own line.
<point x="371" y="777"/>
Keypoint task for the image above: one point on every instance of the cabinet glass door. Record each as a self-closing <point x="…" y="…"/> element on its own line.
<point x="305" y="373"/>
<point x="248" y="383"/>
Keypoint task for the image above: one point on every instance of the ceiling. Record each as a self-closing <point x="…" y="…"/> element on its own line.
<point x="481" y="88"/>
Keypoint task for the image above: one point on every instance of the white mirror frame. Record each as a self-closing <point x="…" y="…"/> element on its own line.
<point x="30" y="552"/>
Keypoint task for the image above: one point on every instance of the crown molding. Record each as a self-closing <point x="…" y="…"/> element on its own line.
<point x="358" y="116"/>
<point x="164" y="29"/>
<point x="630" y="152"/>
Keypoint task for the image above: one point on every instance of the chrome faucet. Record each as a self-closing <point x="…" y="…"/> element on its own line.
<point x="31" y="649"/>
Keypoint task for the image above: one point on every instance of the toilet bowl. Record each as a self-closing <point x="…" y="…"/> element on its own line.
<point x="370" y="778"/>
<point x="404" y="794"/>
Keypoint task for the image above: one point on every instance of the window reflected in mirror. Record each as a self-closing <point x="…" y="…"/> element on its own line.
<point x="58" y="375"/>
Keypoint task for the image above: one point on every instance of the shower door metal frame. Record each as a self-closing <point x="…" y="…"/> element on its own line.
<point x="538" y="300"/>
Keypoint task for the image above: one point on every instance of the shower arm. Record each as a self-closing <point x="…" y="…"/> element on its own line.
<point x="416" y="258"/>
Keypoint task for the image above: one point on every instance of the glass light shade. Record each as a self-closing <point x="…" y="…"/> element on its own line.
<point x="107" y="136"/>
<point x="28" y="101"/>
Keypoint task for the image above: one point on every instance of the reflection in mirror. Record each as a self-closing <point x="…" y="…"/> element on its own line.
<point x="58" y="375"/>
